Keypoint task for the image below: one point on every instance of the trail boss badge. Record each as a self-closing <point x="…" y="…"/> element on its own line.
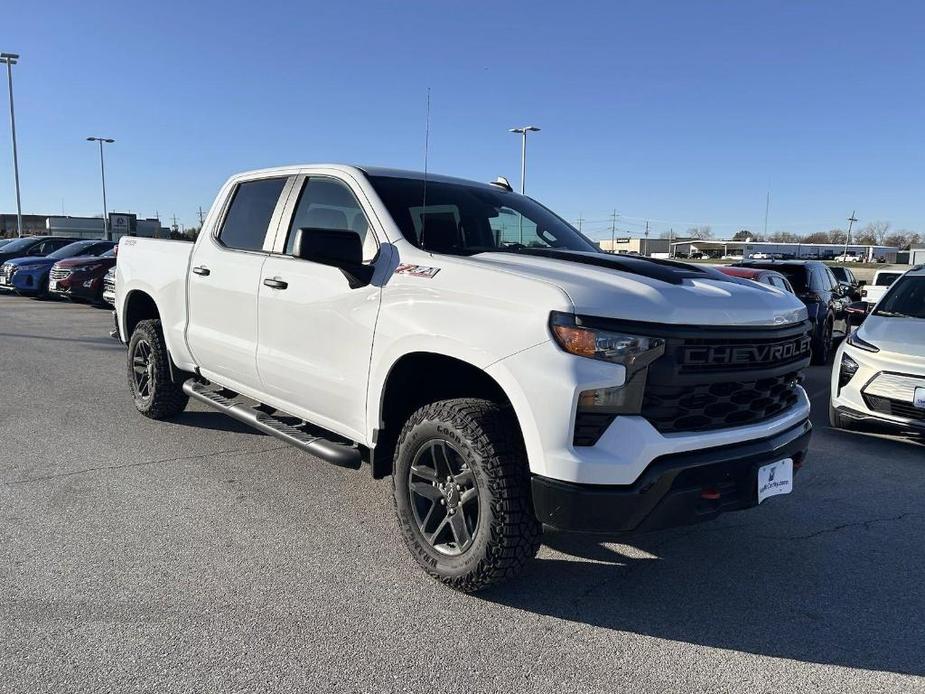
<point x="416" y="270"/>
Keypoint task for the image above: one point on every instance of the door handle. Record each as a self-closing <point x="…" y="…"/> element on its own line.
<point x="275" y="284"/>
<point x="202" y="270"/>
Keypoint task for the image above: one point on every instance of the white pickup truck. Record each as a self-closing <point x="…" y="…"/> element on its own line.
<point x="883" y="280"/>
<point x="471" y="344"/>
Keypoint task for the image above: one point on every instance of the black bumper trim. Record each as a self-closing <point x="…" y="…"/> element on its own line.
<point x="669" y="491"/>
<point x="873" y="420"/>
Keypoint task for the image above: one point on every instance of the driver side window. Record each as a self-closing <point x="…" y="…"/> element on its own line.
<point x="325" y="203"/>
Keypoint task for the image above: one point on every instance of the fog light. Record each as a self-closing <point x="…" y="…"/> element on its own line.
<point x="846" y="371"/>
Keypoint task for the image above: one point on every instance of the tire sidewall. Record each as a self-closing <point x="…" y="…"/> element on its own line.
<point x="142" y="332"/>
<point x="419" y="435"/>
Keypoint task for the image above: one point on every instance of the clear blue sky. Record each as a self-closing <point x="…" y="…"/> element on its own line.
<point x="682" y="112"/>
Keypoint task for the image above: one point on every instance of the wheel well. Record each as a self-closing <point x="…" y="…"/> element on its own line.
<point x="421" y="378"/>
<point x="138" y="307"/>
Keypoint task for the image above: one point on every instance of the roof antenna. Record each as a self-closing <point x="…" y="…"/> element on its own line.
<point x="426" y="149"/>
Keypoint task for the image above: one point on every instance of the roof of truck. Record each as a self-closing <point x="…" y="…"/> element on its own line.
<point x="368" y="170"/>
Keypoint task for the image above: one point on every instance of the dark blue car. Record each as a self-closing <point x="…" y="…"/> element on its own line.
<point x="826" y="300"/>
<point x="28" y="275"/>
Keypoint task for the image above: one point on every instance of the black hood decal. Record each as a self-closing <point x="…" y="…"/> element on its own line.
<point x="668" y="271"/>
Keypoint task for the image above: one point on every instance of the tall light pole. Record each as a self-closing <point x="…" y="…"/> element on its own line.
<point x="101" y="140"/>
<point x="523" y="152"/>
<point x="11" y="59"/>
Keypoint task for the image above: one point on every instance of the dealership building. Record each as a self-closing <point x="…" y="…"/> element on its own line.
<point x="120" y="224"/>
<point x="810" y="251"/>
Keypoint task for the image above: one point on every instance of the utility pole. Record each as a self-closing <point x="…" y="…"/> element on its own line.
<point x="579" y="221"/>
<point x="767" y="207"/>
<point x="201" y="222"/>
<point x="11" y="59"/>
<point x="671" y="242"/>
<point x="645" y="248"/>
<point x="851" y="220"/>
<point x="613" y="232"/>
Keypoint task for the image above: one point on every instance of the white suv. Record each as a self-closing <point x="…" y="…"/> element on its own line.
<point x="879" y="371"/>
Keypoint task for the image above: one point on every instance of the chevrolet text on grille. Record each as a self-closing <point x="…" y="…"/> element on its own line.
<point x="747" y="354"/>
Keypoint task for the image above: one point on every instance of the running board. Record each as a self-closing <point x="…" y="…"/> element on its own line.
<point x="329" y="451"/>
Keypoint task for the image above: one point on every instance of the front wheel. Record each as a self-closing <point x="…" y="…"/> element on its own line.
<point x="155" y="394"/>
<point x="823" y="345"/>
<point x="462" y="493"/>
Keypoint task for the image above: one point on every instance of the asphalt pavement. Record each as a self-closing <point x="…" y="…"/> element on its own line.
<point x="198" y="555"/>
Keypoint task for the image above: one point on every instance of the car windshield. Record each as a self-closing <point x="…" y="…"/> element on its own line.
<point x="841" y="274"/>
<point x="18" y="245"/>
<point x="72" y="250"/>
<point x="885" y="279"/>
<point x="796" y="274"/>
<point x="462" y="219"/>
<point x="111" y="253"/>
<point x="906" y="299"/>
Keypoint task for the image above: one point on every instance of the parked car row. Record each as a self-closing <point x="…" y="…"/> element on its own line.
<point x="53" y="266"/>
<point x="878" y="376"/>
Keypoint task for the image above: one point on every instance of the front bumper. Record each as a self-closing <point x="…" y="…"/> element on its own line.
<point x="675" y="489"/>
<point x="881" y="392"/>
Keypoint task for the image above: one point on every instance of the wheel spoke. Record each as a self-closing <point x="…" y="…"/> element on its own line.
<point x="460" y="529"/>
<point x="440" y="526"/>
<point x="442" y="458"/>
<point x="427" y="490"/>
<point x="468" y="495"/>
<point x="425" y="473"/>
<point x="464" y="478"/>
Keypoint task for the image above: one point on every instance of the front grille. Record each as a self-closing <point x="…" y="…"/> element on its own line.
<point x="895" y="408"/>
<point x="6" y="271"/>
<point x="58" y="273"/>
<point x="718" y="405"/>
<point x="109" y="284"/>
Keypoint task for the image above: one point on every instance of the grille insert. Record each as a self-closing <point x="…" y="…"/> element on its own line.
<point x="720" y="405"/>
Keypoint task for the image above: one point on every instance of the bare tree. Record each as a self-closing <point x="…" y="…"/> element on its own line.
<point x="702" y="232"/>
<point x="784" y="237"/>
<point x="820" y="237"/>
<point x="902" y="239"/>
<point x="877" y="230"/>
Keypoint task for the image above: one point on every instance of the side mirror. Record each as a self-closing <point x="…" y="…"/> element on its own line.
<point x="335" y="247"/>
<point x="857" y="312"/>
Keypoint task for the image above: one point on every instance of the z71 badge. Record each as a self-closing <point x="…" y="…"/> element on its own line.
<point x="416" y="270"/>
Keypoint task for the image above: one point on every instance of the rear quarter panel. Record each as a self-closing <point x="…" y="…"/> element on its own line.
<point x="157" y="267"/>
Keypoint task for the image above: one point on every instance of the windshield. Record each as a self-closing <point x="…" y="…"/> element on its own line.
<point x="72" y="250"/>
<point x="462" y="219"/>
<point x="906" y="299"/>
<point x="885" y="279"/>
<point x="841" y="274"/>
<point x="18" y="245"/>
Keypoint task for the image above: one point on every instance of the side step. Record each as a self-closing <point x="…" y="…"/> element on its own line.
<point x="336" y="453"/>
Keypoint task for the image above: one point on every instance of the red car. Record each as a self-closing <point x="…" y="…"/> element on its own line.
<point x="81" y="278"/>
<point x="770" y="277"/>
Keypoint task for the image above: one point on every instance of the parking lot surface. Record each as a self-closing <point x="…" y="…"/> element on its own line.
<point x="198" y="555"/>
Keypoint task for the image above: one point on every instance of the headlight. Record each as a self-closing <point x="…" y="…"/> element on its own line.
<point x="856" y="341"/>
<point x="846" y="371"/>
<point x="635" y="352"/>
<point x="85" y="268"/>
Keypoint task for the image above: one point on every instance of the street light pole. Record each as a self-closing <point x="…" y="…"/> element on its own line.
<point x="851" y="220"/>
<point x="106" y="231"/>
<point x="11" y="59"/>
<point x="523" y="152"/>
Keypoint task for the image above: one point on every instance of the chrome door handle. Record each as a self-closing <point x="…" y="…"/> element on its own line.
<point x="275" y="284"/>
<point x="202" y="270"/>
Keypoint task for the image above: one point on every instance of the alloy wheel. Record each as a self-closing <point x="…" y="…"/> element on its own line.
<point x="143" y="369"/>
<point x="444" y="497"/>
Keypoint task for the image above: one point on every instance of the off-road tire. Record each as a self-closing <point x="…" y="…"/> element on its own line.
<point x="166" y="399"/>
<point x="507" y="535"/>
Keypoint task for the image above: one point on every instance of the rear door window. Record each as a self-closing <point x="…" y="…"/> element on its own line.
<point x="248" y="217"/>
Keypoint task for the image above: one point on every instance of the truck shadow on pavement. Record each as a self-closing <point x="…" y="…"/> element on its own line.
<point x="833" y="574"/>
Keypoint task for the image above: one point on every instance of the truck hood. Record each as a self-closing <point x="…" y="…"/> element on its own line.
<point x="640" y="289"/>
<point x="904" y="336"/>
<point x="86" y="260"/>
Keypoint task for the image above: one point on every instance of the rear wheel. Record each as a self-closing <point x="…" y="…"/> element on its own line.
<point x="822" y="346"/>
<point x="155" y="394"/>
<point x="462" y="494"/>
